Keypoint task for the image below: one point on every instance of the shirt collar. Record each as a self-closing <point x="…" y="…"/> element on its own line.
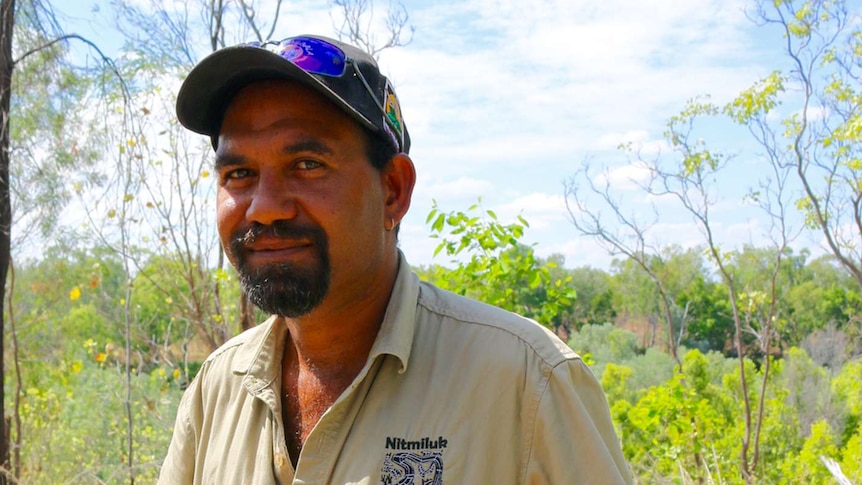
<point x="261" y="365"/>
<point x="395" y="336"/>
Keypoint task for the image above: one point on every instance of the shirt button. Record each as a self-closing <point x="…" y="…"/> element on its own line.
<point x="280" y="460"/>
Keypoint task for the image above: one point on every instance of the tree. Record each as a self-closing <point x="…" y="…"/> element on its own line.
<point x="820" y="141"/>
<point x="499" y="269"/>
<point x="7" y="23"/>
<point x="595" y="301"/>
<point x="710" y="324"/>
<point x="32" y="190"/>
<point x="629" y="239"/>
<point x="817" y="145"/>
<point x="689" y="177"/>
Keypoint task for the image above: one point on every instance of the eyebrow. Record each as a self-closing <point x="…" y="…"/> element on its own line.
<point x="229" y="160"/>
<point x="302" y="146"/>
<point x="313" y="146"/>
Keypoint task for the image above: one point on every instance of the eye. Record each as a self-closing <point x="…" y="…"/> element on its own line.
<point x="308" y="164"/>
<point x="239" y="173"/>
<point x="236" y="177"/>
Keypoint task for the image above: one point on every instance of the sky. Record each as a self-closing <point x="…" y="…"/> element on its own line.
<point x="505" y="100"/>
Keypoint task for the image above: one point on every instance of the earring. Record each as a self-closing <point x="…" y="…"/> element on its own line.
<point x="391" y="224"/>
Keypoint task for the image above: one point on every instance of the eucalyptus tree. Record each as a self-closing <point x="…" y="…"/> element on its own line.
<point x="39" y="88"/>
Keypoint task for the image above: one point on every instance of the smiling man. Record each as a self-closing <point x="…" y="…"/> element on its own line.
<point x="363" y="374"/>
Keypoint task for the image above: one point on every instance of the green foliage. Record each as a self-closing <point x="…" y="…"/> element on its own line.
<point x="682" y="277"/>
<point x="697" y="157"/>
<point x="635" y="293"/>
<point x="498" y="270"/>
<point x="616" y="381"/>
<point x="74" y="423"/>
<point x="810" y="393"/>
<point x="83" y="323"/>
<point x="595" y="302"/>
<point x="157" y="290"/>
<point x="605" y="345"/>
<point x="689" y="423"/>
<point x="847" y="389"/>
<point x="673" y="427"/>
<point x="851" y="465"/>
<point x="710" y="322"/>
<point x="806" y="466"/>
<point x="677" y="427"/>
<point x="69" y="293"/>
<point x="595" y="341"/>
<point x="47" y="143"/>
<point x="757" y="100"/>
<point x="847" y="385"/>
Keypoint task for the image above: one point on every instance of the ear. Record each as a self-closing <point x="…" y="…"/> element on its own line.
<point x="399" y="177"/>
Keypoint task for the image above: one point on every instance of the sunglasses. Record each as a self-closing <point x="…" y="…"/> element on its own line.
<point x="317" y="56"/>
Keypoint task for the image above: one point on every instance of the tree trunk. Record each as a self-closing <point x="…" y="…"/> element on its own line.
<point x="7" y="21"/>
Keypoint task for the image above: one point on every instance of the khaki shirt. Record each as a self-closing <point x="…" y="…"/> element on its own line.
<point x="454" y="391"/>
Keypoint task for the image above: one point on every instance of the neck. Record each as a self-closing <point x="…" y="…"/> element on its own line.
<point x="337" y="336"/>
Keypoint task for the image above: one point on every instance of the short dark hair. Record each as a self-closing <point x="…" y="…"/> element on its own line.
<point x="378" y="150"/>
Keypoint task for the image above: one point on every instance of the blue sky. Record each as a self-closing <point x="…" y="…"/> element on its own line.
<point x="505" y="99"/>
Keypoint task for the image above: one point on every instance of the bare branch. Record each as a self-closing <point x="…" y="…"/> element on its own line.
<point x="589" y="223"/>
<point x="356" y="25"/>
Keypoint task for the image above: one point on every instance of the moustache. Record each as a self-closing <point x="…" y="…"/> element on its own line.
<point x="277" y="230"/>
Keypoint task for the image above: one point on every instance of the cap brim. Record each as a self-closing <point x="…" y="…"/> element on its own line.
<point x="209" y="87"/>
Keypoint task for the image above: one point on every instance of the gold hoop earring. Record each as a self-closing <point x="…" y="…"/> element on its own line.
<point x="391" y="224"/>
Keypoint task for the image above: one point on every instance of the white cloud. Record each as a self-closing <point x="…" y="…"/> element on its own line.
<point x="630" y="177"/>
<point x="578" y="251"/>
<point x="504" y="99"/>
<point x="450" y="191"/>
<point x="542" y="211"/>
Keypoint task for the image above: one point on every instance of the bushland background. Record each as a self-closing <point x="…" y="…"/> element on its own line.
<point x="721" y="364"/>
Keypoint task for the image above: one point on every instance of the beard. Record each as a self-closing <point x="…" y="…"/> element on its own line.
<point x="286" y="289"/>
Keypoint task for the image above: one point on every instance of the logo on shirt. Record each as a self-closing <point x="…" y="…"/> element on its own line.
<point x="413" y="462"/>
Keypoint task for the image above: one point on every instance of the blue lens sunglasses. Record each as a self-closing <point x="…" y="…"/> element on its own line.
<point x="317" y="56"/>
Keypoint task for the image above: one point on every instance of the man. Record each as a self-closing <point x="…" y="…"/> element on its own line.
<point x="363" y="374"/>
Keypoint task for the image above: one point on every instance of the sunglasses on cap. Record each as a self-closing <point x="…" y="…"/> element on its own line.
<point x="322" y="58"/>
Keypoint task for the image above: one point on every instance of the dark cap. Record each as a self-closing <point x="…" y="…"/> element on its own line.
<point x="346" y="75"/>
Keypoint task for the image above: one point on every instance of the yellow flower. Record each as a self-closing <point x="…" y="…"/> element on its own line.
<point x="75" y="293"/>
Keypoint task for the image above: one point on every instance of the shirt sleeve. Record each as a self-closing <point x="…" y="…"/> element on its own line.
<point x="179" y="465"/>
<point x="574" y="441"/>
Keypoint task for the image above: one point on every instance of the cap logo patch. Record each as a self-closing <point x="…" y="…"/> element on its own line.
<point x="393" y="109"/>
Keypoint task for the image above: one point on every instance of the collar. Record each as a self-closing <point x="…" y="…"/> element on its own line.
<point x="395" y="336"/>
<point x="261" y="366"/>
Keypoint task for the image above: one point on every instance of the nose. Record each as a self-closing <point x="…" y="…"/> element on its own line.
<point x="272" y="200"/>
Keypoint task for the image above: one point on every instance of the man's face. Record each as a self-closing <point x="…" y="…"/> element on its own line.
<point x="300" y="208"/>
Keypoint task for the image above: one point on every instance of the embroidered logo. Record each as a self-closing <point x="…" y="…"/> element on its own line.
<point x="393" y="123"/>
<point x="421" y="466"/>
<point x="392" y="108"/>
